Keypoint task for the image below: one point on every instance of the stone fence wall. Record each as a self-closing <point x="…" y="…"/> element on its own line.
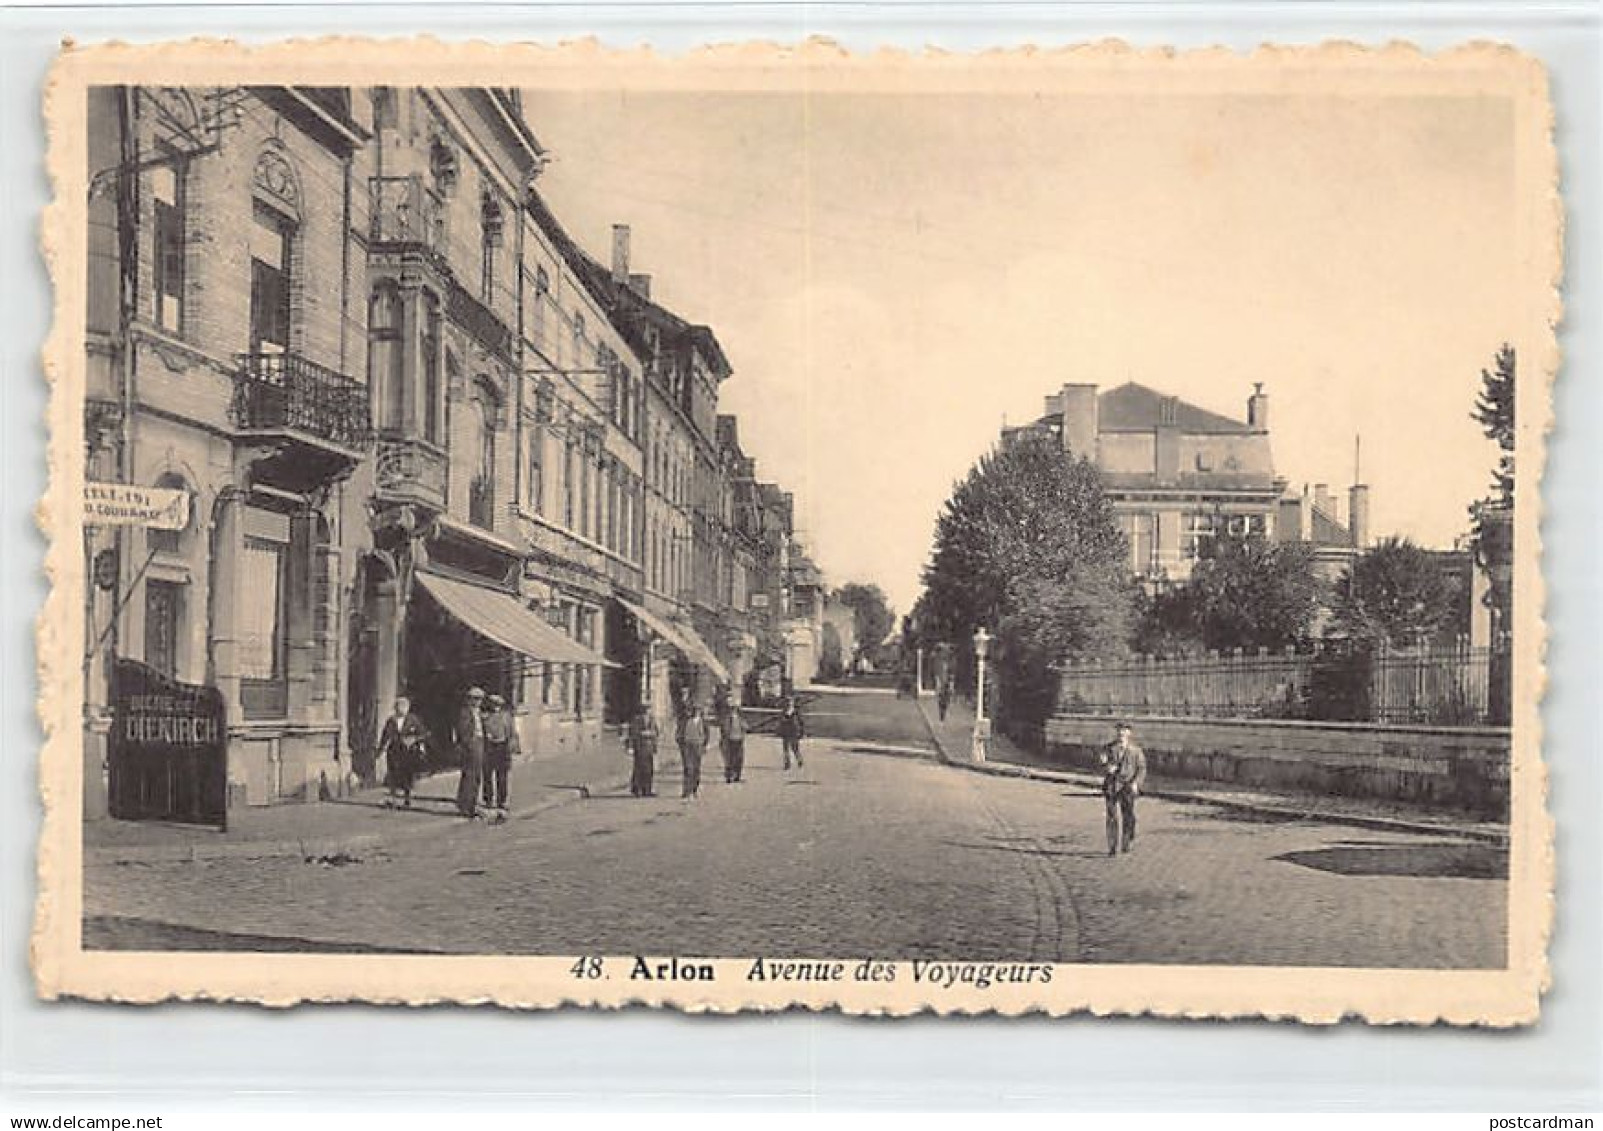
<point x="1453" y="768"/>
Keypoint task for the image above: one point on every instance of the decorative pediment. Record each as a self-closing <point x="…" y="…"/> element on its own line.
<point x="274" y="178"/>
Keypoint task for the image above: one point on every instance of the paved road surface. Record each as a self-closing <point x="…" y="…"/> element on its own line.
<point x="858" y="854"/>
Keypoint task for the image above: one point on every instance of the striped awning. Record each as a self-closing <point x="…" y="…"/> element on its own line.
<point x="682" y="637"/>
<point x="502" y="618"/>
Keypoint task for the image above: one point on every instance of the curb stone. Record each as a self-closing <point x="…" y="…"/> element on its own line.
<point x="1238" y="803"/>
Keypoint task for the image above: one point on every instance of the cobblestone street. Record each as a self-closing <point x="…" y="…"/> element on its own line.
<point x="858" y="854"/>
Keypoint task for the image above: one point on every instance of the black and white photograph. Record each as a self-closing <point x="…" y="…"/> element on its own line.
<point x="786" y="528"/>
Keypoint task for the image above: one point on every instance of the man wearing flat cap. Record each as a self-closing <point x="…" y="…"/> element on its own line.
<point x="500" y="747"/>
<point x="1124" y="772"/>
<point x="470" y="750"/>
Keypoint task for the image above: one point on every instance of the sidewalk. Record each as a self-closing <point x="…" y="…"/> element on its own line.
<point x="954" y="739"/>
<point x="350" y="824"/>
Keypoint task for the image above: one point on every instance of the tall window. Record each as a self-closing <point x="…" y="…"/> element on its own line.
<point x="269" y="281"/>
<point x="167" y="188"/>
<point x="489" y="244"/>
<point x="163" y="614"/>
<point x="261" y="628"/>
<point x="384" y="370"/>
<point x="534" y="491"/>
<point x="1141" y="531"/>
<point x="1197" y="540"/>
<point x="567" y="480"/>
<point x="542" y="299"/>
<point x="430" y="360"/>
<point x="481" y="493"/>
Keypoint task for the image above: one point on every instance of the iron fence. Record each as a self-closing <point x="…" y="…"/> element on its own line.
<point x="1456" y="686"/>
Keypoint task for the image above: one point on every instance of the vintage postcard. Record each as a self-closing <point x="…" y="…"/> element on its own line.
<point x="1042" y="531"/>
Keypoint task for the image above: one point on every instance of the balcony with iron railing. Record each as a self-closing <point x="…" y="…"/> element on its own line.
<point x="410" y="470"/>
<point x="320" y="418"/>
<point x="406" y="211"/>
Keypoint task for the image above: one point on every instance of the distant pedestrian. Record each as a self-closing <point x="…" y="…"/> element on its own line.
<point x="641" y="739"/>
<point x="692" y="745"/>
<point x="1124" y="772"/>
<point x="791" y="730"/>
<point x="732" y="741"/>
<point x="470" y="751"/>
<point x="500" y="747"/>
<point x="401" y="746"/>
<point x="943" y="699"/>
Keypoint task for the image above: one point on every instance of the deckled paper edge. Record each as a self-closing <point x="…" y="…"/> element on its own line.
<point x="62" y="969"/>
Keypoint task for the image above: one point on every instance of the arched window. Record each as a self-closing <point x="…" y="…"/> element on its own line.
<point x="490" y="225"/>
<point x="384" y="355"/>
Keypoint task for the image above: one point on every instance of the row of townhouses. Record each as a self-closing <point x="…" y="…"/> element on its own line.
<point x="427" y="440"/>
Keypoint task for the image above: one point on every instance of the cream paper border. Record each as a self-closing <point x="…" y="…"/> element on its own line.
<point x="1506" y="997"/>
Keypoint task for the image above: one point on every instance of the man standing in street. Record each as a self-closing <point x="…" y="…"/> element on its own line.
<point x="692" y="745"/>
<point x="1124" y="772"/>
<point x="470" y="751"/>
<point x="732" y="736"/>
<point x="500" y="747"/>
<point x="642" y="740"/>
<point x="791" y="731"/>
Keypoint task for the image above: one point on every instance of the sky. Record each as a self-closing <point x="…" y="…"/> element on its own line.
<point x="895" y="276"/>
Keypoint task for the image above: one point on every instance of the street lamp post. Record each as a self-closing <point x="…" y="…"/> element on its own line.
<point x="982" y="725"/>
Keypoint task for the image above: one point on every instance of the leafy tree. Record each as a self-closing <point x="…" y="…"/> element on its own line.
<point x="1027" y="546"/>
<point x="1396" y="593"/>
<point x="831" y="664"/>
<point x="1252" y="593"/>
<point x="1494" y="411"/>
<point x="872" y="617"/>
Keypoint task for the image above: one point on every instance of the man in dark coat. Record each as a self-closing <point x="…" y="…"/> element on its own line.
<point x="401" y="746"/>
<point x="470" y="750"/>
<point x="500" y="747"/>
<point x="642" y="742"/>
<point x="791" y="730"/>
<point x="692" y="745"/>
<point x="732" y="741"/>
<point x="1124" y="772"/>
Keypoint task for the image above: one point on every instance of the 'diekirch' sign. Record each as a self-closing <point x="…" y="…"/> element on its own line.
<point x="169" y="749"/>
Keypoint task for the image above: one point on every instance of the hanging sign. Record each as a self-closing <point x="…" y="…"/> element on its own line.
<point x="125" y="504"/>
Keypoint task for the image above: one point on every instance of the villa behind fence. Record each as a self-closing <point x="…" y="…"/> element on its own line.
<point x="1456" y="686"/>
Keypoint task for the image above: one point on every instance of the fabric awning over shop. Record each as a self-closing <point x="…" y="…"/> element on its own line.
<point x="502" y="618"/>
<point x="685" y="639"/>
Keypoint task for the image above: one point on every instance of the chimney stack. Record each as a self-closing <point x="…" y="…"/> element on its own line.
<point x="1258" y="408"/>
<point x="1080" y="426"/>
<point x="1323" y="501"/>
<point x="1358" y="508"/>
<point x="620" y="254"/>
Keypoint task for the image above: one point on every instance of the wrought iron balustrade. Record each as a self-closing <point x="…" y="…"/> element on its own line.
<point x="404" y="210"/>
<point x="287" y="392"/>
<point x="410" y="469"/>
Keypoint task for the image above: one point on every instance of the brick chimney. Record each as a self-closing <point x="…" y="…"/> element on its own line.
<point x="620" y="254"/>
<point x="1358" y="515"/>
<point x="1258" y="408"/>
<point x="1080" y="424"/>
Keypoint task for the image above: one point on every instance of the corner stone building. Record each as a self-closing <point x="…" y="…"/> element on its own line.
<point x="226" y="334"/>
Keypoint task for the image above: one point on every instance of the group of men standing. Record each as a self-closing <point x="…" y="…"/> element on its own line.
<point x="485" y="737"/>
<point x="693" y="734"/>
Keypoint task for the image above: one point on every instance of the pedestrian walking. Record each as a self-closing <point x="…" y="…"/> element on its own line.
<point x="791" y="730"/>
<point x="500" y="747"/>
<point x="470" y="751"/>
<point x="732" y="742"/>
<point x="641" y="738"/>
<point x="692" y="745"/>
<point x="1124" y="772"/>
<point x="943" y="699"/>
<point x="401" y="745"/>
